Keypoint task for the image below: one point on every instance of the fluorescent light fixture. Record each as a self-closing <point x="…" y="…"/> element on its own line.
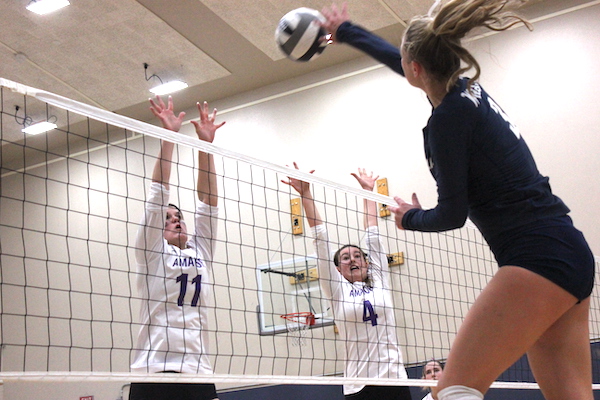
<point x="169" y="87"/>
<point x="38" y="128"/>
<point x="46" y="6"/>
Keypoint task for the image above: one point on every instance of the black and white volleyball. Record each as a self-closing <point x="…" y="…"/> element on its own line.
<point x="299" y="34"/>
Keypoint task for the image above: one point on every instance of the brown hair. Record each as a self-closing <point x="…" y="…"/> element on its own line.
<point x="178" y="209"/>
<point x="434" y="40"/>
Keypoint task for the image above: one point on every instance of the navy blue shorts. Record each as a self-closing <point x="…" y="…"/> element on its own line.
<point x="552" y="248"/>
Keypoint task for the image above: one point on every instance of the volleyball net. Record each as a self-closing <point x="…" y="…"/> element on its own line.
<point x="71" y="202"/>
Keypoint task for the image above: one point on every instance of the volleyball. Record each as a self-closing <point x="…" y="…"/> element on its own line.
<point x="298" y="34"/>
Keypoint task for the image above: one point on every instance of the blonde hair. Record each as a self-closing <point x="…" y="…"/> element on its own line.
<point x="434" y="40"/>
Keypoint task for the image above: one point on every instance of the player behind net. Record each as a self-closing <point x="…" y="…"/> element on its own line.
<point x="175" y="271"/>
<point x="358" y="289"/>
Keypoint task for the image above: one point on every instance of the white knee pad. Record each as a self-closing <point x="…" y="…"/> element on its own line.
<point x="458" y="392"/>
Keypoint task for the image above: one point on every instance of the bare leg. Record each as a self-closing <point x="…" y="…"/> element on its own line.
<point x="514" y="310"/>
<point x="564" y="351"/>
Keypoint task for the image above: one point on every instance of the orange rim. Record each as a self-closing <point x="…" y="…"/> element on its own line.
<point x="305" y="317"/>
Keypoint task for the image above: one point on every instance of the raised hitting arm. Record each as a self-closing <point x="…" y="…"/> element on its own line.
<point x="337" y="22"/>
<point x="206" y="187"/>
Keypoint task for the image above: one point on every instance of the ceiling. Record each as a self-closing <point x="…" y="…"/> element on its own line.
<point x="94" y="50"/>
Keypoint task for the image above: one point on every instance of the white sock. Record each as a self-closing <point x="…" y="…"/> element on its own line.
<point x="458" y="392"/>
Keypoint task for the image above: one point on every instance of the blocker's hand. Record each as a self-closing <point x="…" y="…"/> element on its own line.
<point x="206" y="126"/>
<point x="366" y="180"/>
<point x="302" y="187"/>
<point x="166" y="114"/>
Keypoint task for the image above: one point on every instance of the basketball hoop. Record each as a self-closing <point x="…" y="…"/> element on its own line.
<point x="297" y="324"/>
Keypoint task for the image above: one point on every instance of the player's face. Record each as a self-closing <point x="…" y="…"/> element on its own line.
<point x="353" y="265"/>
<point x="432" y="371"/>
<point x="175" y="231"/>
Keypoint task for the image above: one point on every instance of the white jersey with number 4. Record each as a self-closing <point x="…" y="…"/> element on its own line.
<point x="363" y="314"/>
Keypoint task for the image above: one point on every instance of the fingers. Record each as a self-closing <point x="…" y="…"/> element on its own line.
<point x="206" y="117"/>
<point x="399" y="200"/>
<point x="157" y="106"/>
<point x="415" y="200"/>
<point x="202" y="110"/>
<point x="363" y="174"/>
<point x="397" y="212"/>
<point x="154" y="107"/>
<point x="154" y="111"/>
<point x="392" y="208"/>
<point x="345" y="10"/>
<point x="334" y="9"/>
<point x="333" y="18"/>
<point x="159" y="102"/>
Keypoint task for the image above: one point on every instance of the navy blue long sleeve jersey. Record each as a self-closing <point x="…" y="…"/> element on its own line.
<point x="371" y="44"/>
<point x="482" y="167"/>
<point x="481" y="164"/>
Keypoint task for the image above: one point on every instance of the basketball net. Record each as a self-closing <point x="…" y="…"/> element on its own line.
<point x="297" y="325"/>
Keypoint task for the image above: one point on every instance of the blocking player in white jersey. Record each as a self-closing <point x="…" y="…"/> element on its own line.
<point x="358" y="289"/>
<point x="175" y="271"/>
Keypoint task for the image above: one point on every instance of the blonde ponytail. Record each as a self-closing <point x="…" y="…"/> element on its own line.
<point x="434" y="40"/>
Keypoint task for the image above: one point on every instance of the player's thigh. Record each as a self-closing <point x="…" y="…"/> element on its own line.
<point x="563" y="352"/>
<point x="509" y="316"/>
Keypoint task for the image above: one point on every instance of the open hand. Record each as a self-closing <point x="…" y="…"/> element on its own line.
<point x="165" y="114"/>
<point x="302" y="187"/>
<point x="206" y="127"/>
<point x="334" y="18"/>
<point x="367" y="181"/>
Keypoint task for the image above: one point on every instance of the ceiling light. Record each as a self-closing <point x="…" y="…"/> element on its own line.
<point x="46" y="6"/>
<point x="169" y="87"/>
<point x="38" y="128"/>
<point x="164" y="88"/>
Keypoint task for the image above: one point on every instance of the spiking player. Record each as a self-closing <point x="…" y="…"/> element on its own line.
<point x="538" y="301"/>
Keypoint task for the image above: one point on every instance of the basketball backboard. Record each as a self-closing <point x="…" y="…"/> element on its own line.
<point x="290" y="286"/>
